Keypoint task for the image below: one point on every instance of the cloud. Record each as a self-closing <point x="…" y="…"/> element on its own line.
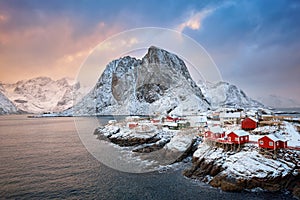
<point x="56" y="49"/>
<point x="194" y="21"/>
<point x="3" y="18"/>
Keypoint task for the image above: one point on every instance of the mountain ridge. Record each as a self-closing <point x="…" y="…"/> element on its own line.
<point x="158" y="83"/>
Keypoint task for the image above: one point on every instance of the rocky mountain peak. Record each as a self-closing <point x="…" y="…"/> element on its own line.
<point x="160" y="82"/>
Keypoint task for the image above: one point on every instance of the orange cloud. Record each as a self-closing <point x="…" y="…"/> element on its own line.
<point x="3" y="18"/>
<point x="194" y="21"/>
<point x="56" y="49"/>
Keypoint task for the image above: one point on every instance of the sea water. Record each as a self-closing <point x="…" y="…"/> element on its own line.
<point x="43" y="158"/>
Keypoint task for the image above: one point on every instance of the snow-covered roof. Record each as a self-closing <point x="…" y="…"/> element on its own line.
<point x="253" y="119"/>
<point x="216" y="129"/>
<point x="251" y="113"/>
<point x="170" y="123"/>
<point x="202" y="119"/>
<point x="181" y="122"/>
<point x="274" y="138"/>
<point x="240" y="133"/>
<point x="132" y="123"/>
<point x="230" y="115"/>
<point x="212" y="123"/>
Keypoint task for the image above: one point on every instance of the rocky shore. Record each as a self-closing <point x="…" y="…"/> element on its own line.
<point x="246" y="169"/>
<point x="163" y="145"/>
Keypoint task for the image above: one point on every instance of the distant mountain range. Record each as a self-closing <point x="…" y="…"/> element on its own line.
<point x="41" y="94"/>
<point x="158" y="83"/>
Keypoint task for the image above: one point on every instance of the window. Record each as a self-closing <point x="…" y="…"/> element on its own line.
<point x="261" y="142"/>
<point x="236" y="139"/>
<point x="242" y="139"/>
<point x="270" y="143"/>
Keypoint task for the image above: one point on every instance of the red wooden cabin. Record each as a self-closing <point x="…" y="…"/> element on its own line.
<point x="249" y="123"/>
<point x="238" y="137"/>
<point x="215" y="132"/>
<point x="271" y="142"/>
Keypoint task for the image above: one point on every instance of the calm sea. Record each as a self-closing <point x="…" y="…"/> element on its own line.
<point x="45" y="159"/>
<point x="293" y="112"/>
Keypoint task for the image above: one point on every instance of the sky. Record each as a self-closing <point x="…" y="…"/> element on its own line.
<point x="255" y="44"/>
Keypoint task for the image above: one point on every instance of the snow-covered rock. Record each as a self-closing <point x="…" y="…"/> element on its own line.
<point x="6" y="106"/>
<point x="181" y="141"/>
<point x="160" y="82"/>
<point x="246" y="169"/>
<point x="123" y="136"/>
<point x="167" y="145"/>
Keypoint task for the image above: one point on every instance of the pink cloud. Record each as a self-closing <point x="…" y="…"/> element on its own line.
<point x="194" y="21"/>
<point x="54" y="49"/>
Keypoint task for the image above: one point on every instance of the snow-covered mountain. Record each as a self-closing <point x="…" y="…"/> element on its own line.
<point x="158" y="83"/>
<point x="276" y="101"/>
<point x="41" y="94"/>
<point x="224" y="94"/>
<point x="6" y="106"/>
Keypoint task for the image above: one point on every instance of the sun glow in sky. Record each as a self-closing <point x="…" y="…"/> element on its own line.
<point x="255" y="44"/>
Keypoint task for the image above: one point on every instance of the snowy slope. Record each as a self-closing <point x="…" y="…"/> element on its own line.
<point x="41" y="94"/>
<point x="160" y="82"/>
<point x="224" y="94"/>
<point x="6" y="106"/>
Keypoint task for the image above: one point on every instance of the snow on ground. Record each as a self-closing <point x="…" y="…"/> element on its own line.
<point x="254" y="138"/>
<point x="292" y="136"/>
<point x="180" y="142"/>
<point x="252" y="164"/>
<point x="245" y="164"/>
<point x="266" y="129"/>
<point x="202" y="148"/>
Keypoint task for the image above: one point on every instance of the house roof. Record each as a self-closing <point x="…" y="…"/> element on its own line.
<point x="216" y="129"/>
<point x="273" y="138"/>
<point x="170" y="124"/>
<point x="253" y="119"/>
<point x="202" y="119"/>
<point x="240" y="133"/>
<point x="230" y="115"/>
